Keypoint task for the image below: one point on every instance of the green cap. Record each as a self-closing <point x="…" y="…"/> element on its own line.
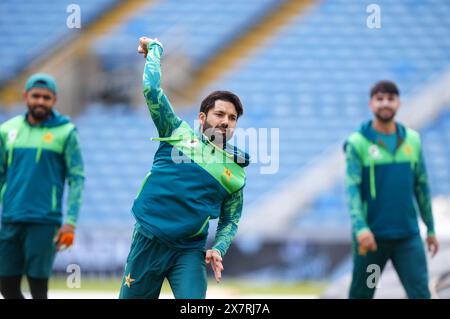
<point x="41" y="80"/>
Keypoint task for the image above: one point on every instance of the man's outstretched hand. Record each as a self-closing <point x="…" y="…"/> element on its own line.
<point x="213" y="257"/>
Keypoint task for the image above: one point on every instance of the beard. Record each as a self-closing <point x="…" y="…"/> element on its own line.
<point x="383" y="116"/>
<point x="219" y="135"/>
<point x="39" y="112"/>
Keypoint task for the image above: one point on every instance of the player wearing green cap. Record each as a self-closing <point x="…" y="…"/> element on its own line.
<point x="39" y="151"/>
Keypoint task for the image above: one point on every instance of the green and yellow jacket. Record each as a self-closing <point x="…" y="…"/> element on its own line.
<point x="191" y="181"/>
<point x="385" y="190"/>
<point x="35" y="162"/>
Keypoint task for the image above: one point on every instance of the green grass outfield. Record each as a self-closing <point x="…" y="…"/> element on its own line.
<point x="236" y="287"/>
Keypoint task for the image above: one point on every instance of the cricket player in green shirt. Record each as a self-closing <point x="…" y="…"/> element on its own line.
<point x="39" y="151"/>
<point x="196" y="177"/>
<point x="386" y="186"/>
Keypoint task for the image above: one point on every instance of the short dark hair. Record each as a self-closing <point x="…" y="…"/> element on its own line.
<point x="384" y="86"/>
<point x="209" y="101"/>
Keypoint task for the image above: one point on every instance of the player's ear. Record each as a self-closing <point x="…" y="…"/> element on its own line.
<point x="202" y="118"/>
<point x="372" y="107"/>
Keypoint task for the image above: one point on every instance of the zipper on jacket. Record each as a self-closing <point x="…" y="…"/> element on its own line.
<point x="41" y="144"/>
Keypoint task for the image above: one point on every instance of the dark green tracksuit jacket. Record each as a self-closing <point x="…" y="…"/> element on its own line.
<point x="385" y="191"/>
<point x="35" y="161"/>
<point x="191" y="181"/>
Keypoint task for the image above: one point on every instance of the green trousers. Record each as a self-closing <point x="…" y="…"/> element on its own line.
<point x="150" y="262"/>
<point x="27" y="249"/>
<point x="408" y="258"/>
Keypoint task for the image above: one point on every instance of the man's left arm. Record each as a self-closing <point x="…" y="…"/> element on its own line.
<point x="423" y="197"/>
<point x="226" y="231"/>
<point x="228" y="222"/>
<point x="75" y="177"/>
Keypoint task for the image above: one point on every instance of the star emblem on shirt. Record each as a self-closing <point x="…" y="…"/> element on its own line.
<point x="128" y="280"/>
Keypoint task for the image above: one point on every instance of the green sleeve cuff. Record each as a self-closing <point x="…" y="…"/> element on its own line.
<point x="431" y="233"/>
<point x="71" y="222"/>
<point x="151" y="43"/>
<point x="362" y="230"/>
<point x="218" y="250"/>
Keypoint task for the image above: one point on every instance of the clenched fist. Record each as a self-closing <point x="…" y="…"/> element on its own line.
<point x="143" y="45"/>
<point x="366" y="242"/>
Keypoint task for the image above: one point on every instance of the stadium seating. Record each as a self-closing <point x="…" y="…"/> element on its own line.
<point x="310" y="80"/>
<point x="197" y="30"/>
<point x="30" y="31"/>
<point x="313" y="78"/>
<point x="323" y="72"/>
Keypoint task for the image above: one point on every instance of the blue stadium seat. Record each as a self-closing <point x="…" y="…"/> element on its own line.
<point x="30" y="29"/>
<point x="197" y="29"/>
